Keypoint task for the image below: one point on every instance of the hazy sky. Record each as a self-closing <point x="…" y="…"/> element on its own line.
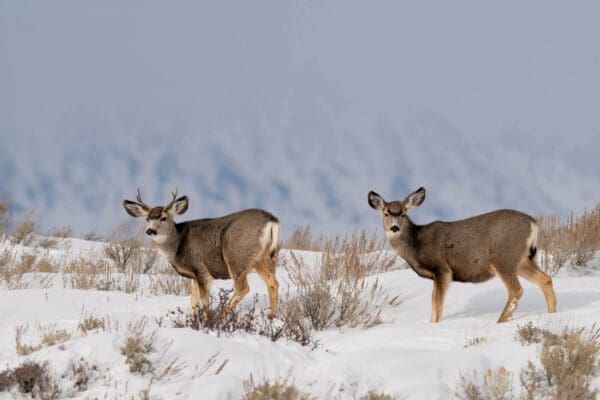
<point x="356" y="82"/>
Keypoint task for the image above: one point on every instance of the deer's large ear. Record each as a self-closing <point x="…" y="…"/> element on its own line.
<point x="415" y="199"/>
<point x="134" y="209"/>
<point x="376" y="201"/>
<point x="178" y="207"/>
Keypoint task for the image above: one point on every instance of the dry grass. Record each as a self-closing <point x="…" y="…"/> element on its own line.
<point x="89" y="274"/>
<point x="474" y="341"/>
<point x="5" y="215"/>
<point x="32" y="379"/>
<point x="574" y="242"/>
<point x="251" y="320"/>
<point x="302" y="239"/>
<point x="281" y="389"/>
<point x="137" y="345"/>
<point x="89" y="322"/>
<point x="49" y="336"/>
<point x="123" y="246"/>
<point x="337" y="292"/>
<point x="493" y="385"/>
<point x="375" y="395"/>
<point x="12" y="271"/>
<point x="25" y="230"/>
<point x="169" y="282"/>
<point x="568" y="364"/>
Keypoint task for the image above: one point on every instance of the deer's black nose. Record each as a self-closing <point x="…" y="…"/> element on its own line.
<point x="150" y="232"/>
<point x="394" y="229"/>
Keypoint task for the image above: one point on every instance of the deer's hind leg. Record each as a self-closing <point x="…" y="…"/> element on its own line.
<point x="239" y="275"/>
<point x="514" y="289"/>
<point x="266" y="270"/>
<point x="530" y="271"/>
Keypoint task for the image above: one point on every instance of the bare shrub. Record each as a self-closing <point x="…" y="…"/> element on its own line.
<point x="35" y="378"/>
<point x="528" y="334"/>
<point x="281" y="389"/>
<point x="250" y="320"/>
<point x="25" y="230"/>
<point x="123" y="246"/>
<point x="336" y="293"/>
<point x="62" y="232"/>
<point x="6" y="380"/>
<point x="576" y="240"/>
<point x="137" y="345"/>
<point x="493" y="385"/>
<point x="568" y="363"/>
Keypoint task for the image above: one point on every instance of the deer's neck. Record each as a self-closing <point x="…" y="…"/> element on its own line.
<point x="405" y="243"/>
<point x="169" y="246"/>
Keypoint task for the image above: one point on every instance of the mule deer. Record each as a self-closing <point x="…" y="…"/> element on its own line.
<point x="219" y="248"/>
<point x="501" y="243"/>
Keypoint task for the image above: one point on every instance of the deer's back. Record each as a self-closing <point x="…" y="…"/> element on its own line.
<point x="237" y="234"/>
<point x="470" y="246"/>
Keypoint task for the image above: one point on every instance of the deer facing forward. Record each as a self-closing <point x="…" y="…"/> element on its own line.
<point x="228" y="247"/>
<point x="475" y="249"/>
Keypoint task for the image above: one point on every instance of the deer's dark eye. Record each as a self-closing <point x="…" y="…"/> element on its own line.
<point x="147" y="219"/>
<point x="163" y="219"/>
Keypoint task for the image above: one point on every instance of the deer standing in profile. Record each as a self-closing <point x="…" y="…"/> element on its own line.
<point x="475" y="249"/>
<point x="228" y="247"/>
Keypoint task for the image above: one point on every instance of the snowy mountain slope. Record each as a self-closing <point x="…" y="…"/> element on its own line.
<point x="405" y="355"/>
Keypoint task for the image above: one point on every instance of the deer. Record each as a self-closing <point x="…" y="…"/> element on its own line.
<point x="227" y="247"/>
<point x="500" y="243"/>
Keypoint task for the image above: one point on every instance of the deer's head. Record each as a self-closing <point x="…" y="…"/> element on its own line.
<point x="395" y="212"/>
<point x="159" y="220"/>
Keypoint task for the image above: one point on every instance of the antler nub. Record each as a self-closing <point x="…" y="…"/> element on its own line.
<point x="139" y="196"/>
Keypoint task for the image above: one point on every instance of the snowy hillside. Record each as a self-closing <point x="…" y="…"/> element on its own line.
<point x="404" y="356"/>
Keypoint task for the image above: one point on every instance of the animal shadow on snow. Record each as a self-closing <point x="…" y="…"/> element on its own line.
<point x="532" y="302"/>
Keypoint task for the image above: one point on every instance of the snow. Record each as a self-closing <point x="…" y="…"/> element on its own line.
<point x="405" y="355"/>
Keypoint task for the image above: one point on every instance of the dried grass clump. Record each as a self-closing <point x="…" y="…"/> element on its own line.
<point x="12" y="271"/>
<point x="574" y="241"/>
<point x="568" y="365"/>
<point x="302" y="239"/>
<point x="529" y="334"/>
<point x="87" y="274"/>
<point x="336" y="292"/>
<point x="169" y="282"/>
<point x="493" y="385"/>
<point x="475" y="341"/>
<point x="374" y="395"/>
<point x="92" y="237"/>
<point x="31" y="379"/>
<point x="25" y="230"/>
<point x="5" y="215"/>
<point x="79" y="374"/>
<point x="49" y="336"/>
<point x="250" y="320"/>
<point x="137" y="345"/>
<point x="281" y="389"/>
<point x="89" y="322"/>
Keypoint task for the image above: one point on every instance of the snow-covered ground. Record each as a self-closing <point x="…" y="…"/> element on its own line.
<point x="405" y="356"/>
